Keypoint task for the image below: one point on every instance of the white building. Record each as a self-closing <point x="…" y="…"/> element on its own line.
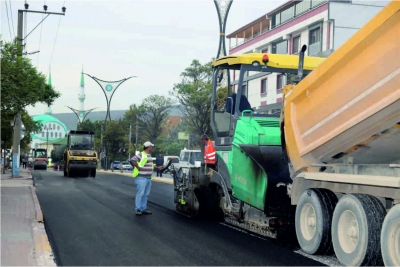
<point x="321" y="25"/>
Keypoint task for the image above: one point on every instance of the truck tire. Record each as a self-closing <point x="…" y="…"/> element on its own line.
<point x="65" y="173"/>
<point x="313" y="220"/>
<point x="93" y="174"/>
<point x="390" y="237"/>
<point x="356" y="227"/>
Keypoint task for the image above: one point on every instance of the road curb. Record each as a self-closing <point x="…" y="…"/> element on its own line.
<point x="43" y="252"/>
<point x="158" y="180"/>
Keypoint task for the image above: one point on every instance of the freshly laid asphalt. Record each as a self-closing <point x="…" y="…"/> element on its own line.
<point x="91" y="222"/>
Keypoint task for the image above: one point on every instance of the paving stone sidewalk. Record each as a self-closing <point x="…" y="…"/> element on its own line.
<point x="24" y="241"/>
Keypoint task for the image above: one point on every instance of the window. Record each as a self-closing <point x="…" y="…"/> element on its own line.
<point x="280" y="47"/>
<point x="315" y="36"/>
<point x="244" y="90"/>
<point x="315" y="44"/>
<point x="264" y="86"/>
<point x="263" y="103"/>
<point x="51" y="134"/>
<point x="296" y="44"/>
<point x="42" y="134"/>
<point x="280" y="82"/>
<point x="58" y="128"/>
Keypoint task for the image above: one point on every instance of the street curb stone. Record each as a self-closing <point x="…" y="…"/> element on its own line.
<point x="43" y="253"/>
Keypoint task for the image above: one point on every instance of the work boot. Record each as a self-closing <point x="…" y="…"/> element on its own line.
<point x="146" y="212"/>
<point x="138" y="212"/>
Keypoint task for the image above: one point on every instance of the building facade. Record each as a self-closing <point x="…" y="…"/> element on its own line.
<point x="322" y="25"/>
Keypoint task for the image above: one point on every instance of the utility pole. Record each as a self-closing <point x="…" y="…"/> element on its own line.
<point x="17" y="118"/>
<point x="137" y="127"/>
<point x="130" y="138"/>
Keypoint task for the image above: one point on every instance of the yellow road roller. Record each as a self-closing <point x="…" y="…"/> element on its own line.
<point x="80" y="158"/>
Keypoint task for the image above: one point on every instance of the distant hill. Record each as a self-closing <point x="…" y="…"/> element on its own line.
<point x="71" y="121"/>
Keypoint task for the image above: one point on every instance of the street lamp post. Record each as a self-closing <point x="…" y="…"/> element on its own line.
<point x="47" y="137"/>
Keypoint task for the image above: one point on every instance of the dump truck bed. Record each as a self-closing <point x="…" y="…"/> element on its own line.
<point x="350" y="104"/>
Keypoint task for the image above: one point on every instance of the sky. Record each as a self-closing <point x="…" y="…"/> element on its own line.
<point x="113" y="40"/>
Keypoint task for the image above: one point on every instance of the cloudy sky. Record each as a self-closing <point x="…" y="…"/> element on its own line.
<point x="153" y="40"/>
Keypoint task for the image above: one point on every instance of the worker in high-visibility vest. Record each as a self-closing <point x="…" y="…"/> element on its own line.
<point x="142" y="172"/>
<point x="209" y="152"/>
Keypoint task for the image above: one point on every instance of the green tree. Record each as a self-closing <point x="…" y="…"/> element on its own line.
<point x="92" y="126"/>
<point x="21" y="86"/>
<point x="115" y="137"/>
<point x="150" y="116"/>
<point x="194" y="95"/>
<point x="58" y="153"/>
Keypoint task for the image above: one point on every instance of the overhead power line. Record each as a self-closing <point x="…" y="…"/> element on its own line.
<point x="12" y="19"/>
<point x="55" y="40"/>
<point x="8" y="20"/>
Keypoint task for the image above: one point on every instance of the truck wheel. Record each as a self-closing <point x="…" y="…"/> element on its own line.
<point x="93" y="173"/>
<point x="313" y="220"/>
<point x="390" y="237"/>
<point x="65" y="173"/>
<point x="356" y="227"/>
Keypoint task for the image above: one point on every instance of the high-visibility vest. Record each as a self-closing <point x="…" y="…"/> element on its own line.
<point x="209" y="153"/>
<point x="142" y="162"/>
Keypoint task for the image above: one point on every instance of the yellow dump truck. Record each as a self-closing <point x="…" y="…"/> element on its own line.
<point x="341" y="129"/>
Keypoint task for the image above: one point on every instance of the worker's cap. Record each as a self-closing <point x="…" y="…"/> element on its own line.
<point x="147" y="144"/>
<point x="204" y="137"/>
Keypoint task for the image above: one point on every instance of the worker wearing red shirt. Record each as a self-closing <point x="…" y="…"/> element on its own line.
<point x="209" y="151"/>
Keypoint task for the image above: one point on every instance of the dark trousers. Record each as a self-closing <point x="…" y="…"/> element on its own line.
<point x="158" y="172"/>
<point x="24" y="165"/>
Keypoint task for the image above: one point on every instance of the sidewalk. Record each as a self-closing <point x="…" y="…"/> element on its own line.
<point x="24" y="241"/>
<point x="166" y="179"/>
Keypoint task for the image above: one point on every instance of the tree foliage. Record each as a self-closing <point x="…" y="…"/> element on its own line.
<point x="115" y="137"/>
<point x="150" y="116"/>
<point x="58" y="153"/>
<point x="92" y="126"/>
<point x="21" y="86"/>
<point x="194" y="95"/>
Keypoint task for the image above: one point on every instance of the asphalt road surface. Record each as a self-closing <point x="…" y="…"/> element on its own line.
<point x="92" y="222"/>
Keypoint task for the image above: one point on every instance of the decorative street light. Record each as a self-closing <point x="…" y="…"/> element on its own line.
<point x="81" y="114"/>
<point x="223" y="7"/>
<point x="109" y="88"/>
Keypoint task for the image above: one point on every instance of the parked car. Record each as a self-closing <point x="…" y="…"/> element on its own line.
<point x="126" y="166"/>
<point x="116" y="164"/>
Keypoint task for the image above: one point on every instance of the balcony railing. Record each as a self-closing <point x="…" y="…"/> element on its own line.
<point x="313" y="5"/>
